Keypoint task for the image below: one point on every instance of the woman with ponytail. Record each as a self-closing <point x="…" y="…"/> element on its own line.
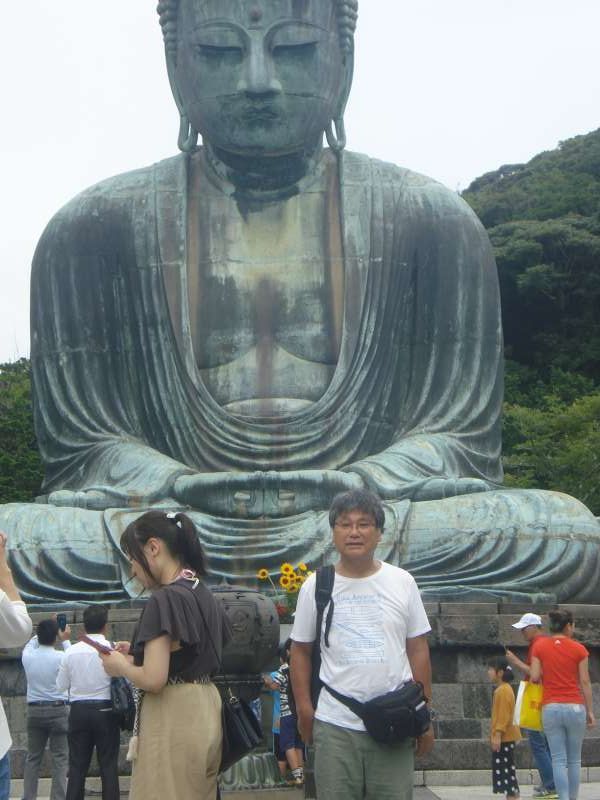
<point x="175" y="650"/>
<point x="503" y="733"/>
<point x="562" y="664"/>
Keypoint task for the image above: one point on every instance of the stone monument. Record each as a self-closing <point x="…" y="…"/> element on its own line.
<point x="260" y="322"/>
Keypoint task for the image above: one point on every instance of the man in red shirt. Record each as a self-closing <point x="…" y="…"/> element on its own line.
<point x="530" y="626"/>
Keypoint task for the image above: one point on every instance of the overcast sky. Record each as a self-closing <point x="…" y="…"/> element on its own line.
<point x="451" y="89"/>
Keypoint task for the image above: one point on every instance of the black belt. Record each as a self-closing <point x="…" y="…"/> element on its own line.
<point x="100" y="703"/>
<point x="48" y="703"/>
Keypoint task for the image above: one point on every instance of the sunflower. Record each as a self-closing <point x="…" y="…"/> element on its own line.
<point x="302" y="567"/>
<point x="285" y="581"/>
<point x="292" y="588"/>
<point x="287" y="569"/>
<point x="262" y="574"/>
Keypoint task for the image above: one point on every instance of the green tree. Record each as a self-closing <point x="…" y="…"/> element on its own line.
<point x="20" y="465"/>
<point x="543" y="219"/>
<point x="556" y="447"/>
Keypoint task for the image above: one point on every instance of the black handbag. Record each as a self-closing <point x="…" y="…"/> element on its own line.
<point x="123" y="702"/>
<point x="394" y="716"/>
<point x="242" y="732"/>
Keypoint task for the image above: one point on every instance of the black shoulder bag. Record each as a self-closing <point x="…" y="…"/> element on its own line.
<point x="323" y="589"/>
<point x="242" y="732"/>
<point x="394" y="716"/>
<point x="324" y="586"/>
<point x="123" y="702"/>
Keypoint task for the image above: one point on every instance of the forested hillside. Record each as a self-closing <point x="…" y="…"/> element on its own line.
<point x="20" y="464"/>
<point x="544" y="222"/>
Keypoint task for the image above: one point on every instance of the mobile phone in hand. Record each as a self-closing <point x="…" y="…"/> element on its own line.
<point x="61" y="621"/>
<point x="101" y="648"/>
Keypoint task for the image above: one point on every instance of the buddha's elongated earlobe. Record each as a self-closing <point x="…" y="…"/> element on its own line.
<point x="187" y="141"/>
<point x="336" y="134"/>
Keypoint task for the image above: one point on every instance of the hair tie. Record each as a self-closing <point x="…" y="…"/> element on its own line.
<point x="173" y="516"/>
<point x="189" y="575"/>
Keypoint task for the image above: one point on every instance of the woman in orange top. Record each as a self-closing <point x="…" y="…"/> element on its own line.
<point x="503" y="733"/>
<point x="562" y="664"/>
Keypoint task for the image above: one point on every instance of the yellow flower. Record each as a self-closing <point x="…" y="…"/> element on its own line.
<point x="284" y="581"/>
<point x="302" y="567"/>
<point x="292" y="588"/>
<point x="287" y="569"/>
<point x="262" y="574"/>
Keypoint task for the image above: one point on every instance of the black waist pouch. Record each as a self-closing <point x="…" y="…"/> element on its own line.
<point x="394" y="716"/>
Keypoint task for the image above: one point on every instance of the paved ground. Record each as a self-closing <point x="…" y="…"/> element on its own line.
<point x="588" y="791"/>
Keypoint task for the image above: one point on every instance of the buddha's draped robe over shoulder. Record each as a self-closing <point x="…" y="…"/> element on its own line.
<point x="121" y="409"/>
<point x="418" y="386"/>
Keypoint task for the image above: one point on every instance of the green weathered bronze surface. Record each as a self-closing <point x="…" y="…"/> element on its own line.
<point x="258" y="323"/>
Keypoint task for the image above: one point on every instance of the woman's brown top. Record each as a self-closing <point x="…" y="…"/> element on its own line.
<point x="191" y="617"/>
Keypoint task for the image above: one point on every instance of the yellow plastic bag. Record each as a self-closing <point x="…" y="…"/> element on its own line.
<point x="528" y="707"/>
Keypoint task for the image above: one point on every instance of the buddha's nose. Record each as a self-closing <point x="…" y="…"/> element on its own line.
<point x="259" y="75"/>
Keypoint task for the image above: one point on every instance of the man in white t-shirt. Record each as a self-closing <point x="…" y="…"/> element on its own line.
<point x="377" y="642"/>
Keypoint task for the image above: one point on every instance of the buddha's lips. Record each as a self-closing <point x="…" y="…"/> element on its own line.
<point x="257" y="113"/>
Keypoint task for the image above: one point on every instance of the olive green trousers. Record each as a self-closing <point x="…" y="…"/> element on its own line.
<point x="350" y="765"/>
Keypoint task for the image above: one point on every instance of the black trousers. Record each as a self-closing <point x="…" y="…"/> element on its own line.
<point x="93" y="725"/>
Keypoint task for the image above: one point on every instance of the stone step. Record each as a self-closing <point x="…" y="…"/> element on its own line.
<point x="94" y="790"/>
<point x="590" y="776"/>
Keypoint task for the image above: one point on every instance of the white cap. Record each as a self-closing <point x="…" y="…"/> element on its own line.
<point x="527" y="620"/>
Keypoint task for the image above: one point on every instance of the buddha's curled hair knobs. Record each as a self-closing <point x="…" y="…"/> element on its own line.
<point x="347" y="18"/>
<point x="167" y="14"/>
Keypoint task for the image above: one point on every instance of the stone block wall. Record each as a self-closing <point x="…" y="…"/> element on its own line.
<point x="463" y="637"/>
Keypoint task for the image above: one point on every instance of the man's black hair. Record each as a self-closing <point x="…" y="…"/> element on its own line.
<point x="47" y="631"/>
<point x="95" y="618"/>
<point x="357" y="500"/>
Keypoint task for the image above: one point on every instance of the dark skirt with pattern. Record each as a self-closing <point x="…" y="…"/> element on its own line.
<point x="504" y="774"/>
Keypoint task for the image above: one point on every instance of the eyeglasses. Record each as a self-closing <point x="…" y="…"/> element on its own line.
<point x="361" y="527"/>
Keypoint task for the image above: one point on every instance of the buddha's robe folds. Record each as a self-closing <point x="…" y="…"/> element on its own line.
<point x="121" y="409"/>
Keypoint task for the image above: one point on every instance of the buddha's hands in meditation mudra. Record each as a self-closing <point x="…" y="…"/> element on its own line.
<point x="259" y="494"/>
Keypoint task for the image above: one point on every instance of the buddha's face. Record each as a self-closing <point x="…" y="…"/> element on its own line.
<point x="259" y="77"/>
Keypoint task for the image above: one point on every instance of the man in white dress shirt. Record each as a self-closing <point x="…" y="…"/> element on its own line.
<point x="47" y="709"/>
<point x="15" y="630"/>
<point x="91" y="721"/>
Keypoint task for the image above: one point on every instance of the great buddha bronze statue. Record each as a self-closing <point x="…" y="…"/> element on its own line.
<point x="252" y="326"/>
